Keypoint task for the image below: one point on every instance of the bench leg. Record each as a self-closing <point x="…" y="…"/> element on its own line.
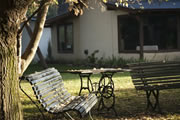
<point x="68" y="116"/>
<point x="155" y="94"/>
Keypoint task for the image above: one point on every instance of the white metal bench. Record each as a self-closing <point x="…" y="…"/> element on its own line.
<point x="50" y="91"/>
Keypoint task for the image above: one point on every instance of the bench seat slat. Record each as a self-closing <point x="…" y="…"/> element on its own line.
<point x="44" y="78"/>
<point x="48" y="90"/>
<point x="48" y="94"/>
<point x="159" y="87"/>
<point x="83" y="108"/>
<point x="48" y="81"/>
<point x="157" y="79"/>
<point x="91" y="104"/>
<point x="41" y="73"/>
<point x="63" y="101"/>
<point x="45" y="98"/>
<point x="79" y="107"/>
<point x="40" y="88"/>
<point x="160" y="82"/>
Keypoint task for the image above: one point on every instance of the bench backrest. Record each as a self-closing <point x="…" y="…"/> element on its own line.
<point x="49" y="88"/>
<point x="155" y="75"/>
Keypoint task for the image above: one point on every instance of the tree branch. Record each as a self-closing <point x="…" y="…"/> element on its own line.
<point x="30" y="33"/>
<point x="33" y="45"/>
<point x="29" y="18"/>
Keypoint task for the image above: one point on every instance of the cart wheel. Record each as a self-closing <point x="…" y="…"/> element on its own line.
<point x="106" y="86"/>
<point x="107" y="92"/>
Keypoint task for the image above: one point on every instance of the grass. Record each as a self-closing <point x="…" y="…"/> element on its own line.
<point x="130" y="104"/>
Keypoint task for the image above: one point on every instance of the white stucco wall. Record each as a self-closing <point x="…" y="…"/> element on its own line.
<point x="98" y="31"/>
<point x="45" y="39"/>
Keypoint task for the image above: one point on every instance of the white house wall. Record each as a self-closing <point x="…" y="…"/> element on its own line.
<point x="98" y="31"/>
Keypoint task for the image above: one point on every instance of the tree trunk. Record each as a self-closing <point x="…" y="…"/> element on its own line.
<point x="10" y="108"/>
<point x="11" y="15"/>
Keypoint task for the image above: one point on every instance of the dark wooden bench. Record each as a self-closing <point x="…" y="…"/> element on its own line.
<point x="50" y="91"/>
<point x="153" y="77"/>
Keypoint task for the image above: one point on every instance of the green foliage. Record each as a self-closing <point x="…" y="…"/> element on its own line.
<point x="49" y="56"/>
<point x="35" y="5"/>
<point x="92" y="58"/>
<point x="117" y="61"/>
<point x="52" y="10"/>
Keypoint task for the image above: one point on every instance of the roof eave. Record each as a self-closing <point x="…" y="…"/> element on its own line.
<point x="58" y="18"/>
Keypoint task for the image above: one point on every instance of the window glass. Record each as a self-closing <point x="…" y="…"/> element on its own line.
<point x="65" y="38"/>
<point x="159" y="30"/>
<point x="129" y="32"/>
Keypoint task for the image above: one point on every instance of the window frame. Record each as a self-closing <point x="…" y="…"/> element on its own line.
<point x="59" y="49"/>
<point x="120" y="50"/>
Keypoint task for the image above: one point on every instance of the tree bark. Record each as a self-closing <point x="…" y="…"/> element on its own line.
<point x="11" y="15"/>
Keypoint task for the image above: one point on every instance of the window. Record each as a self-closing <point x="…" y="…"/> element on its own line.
<point x="159" y="30"/>
<point x="128" y="28"/>
<point x="65" y="38"/>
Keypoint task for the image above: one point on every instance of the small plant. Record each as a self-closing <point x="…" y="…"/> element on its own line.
<point x="92" y="58"/>
<point x="49" y="56"/>
<point x="117" y="61"/>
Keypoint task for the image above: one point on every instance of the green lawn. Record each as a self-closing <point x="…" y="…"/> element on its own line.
<point x="130" y="104"/>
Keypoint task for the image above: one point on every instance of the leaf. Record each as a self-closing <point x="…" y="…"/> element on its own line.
<point x="105" y="1"/>
<point x="55" y="2"/>
<point x="117" y="4"/>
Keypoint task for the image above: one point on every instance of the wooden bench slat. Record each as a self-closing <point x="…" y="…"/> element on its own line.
<point x="38" y="75"/>
<point x="79" y="107"/>
<point x="83" y="108"/>
<point x="159" y="87"/>
<point x="50" y="89"/>
<point x="91" y="104"/>
<point x="155" y="67"/>
<point x="158" y="82"/>
<point x="141" y="64"/>
<point x="156" y="79"/>
<point x="148" y="75"/>
<point x="48" y="81"/>
<point x="60" y="101"/>
<point x="76" y="101"/>
<point x="45" y="98"/>
<point x="50" y="85"/>
<point x="44" y="78"/>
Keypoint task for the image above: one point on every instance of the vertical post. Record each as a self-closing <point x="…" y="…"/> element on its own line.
<point x="178" y="32"/>
<point x="141" y="37"/>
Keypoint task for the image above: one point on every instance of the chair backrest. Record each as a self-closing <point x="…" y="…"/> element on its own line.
<point x="49" y="88"/>
<point x="156" y="75"/>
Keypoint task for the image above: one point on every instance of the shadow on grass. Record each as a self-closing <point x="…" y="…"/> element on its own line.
<point x="131" y="104"/>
